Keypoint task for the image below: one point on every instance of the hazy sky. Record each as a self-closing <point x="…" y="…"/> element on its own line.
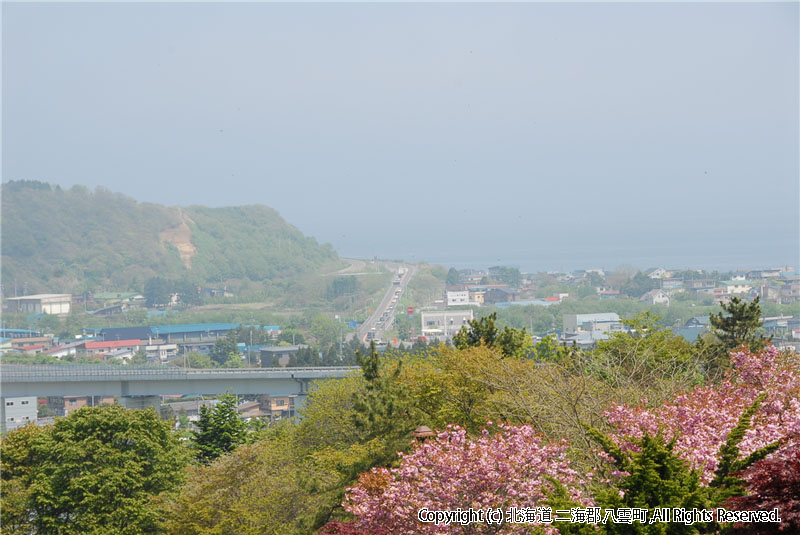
<point x="536" y="135"/>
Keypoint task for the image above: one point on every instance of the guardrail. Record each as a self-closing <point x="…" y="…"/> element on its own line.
<point x="11" y="371"/>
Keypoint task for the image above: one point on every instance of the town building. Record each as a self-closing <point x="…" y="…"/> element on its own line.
<point x="444" y="324"/>
<point x="102" y="347"/>
<point x="17" y="412"/>
<point x="457" y="298"/>
<point x="500" y="295"/>
<point x="160" y="353"/>
<point x="737" y="286"/>
<point x="73" y="403"/>
<point x="656" y="297"/>
<point x="250" y="409"/>
<point x="58" y="304"/>
<point x="280" y="354"/>
<point x="605" y="322"/>
<point x="657" y="273"/>
<point x="694" y="327"/>
<point x="189" y="408"/>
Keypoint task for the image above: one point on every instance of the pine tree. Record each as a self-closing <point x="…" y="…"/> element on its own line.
<point x="220" y="430"/>
<point x="739" y="323"/>
<point x="511" y="342"/>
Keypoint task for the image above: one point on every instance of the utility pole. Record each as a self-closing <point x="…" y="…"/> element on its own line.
<point x="250" y="347"/>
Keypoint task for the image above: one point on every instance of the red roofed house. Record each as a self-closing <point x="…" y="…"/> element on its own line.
<point x="38" y="348"/>
<point x="93" y="348"/>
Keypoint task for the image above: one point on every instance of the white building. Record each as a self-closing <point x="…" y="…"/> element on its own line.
<point x="457" y="298"/>
<point x="161" y="352"/>
<point x="738" y="286"/>
<point x="658" y="273"/>
<point x="656" y="297"/>
<point x="585" y="330"/>
<point x="444" y="324"/>
<point x="40" y="304"/>
<point x="18" y="412"/>
<point x="605" y="322"/>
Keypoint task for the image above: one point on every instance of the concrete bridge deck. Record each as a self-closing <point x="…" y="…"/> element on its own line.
<point x="125" y="381"/>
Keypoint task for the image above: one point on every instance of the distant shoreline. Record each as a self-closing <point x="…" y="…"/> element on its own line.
<point x="527" y="265"/>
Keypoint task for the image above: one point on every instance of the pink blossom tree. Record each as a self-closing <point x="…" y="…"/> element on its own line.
<point x="701" y="419"/>
<point x="510" y="468"/>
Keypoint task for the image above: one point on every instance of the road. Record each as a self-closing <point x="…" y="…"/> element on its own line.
<point x="356" y="267"/>
<point x="383" y="315"/>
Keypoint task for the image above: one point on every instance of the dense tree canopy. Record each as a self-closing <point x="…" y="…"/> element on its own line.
<point x="99" y="471"/>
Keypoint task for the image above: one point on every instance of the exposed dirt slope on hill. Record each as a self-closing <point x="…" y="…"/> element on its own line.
<point x="180" y="236"/>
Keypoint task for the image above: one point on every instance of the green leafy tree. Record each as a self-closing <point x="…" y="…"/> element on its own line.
<point x="99" y="471"/>
<point x="259" y="488"/>
<point x="549" y="350"/>
<point x="291" y="336"/>
<point x="326" y="330"/>
<point x="188" y="292"/>
<point x="452" y="277"/>
<point x="594" y="279"/>
<point x="648" y="358"/>
<point x="183" y="420"/>
<point x="383" y="411"/>
<point x="199" y="360"/>
<point x="139" y="358"/>
<point x="50" y="323"/>
<point x="156" y="292"/>
<point x="511" y="342"/>
<point x="220" y="430"/>
<point x="225" y="349"/>
<point x="135" y="316"/>
<point x="639" y="285"/>
<point x="510" y="276"/>
<point x="341" y="286"/>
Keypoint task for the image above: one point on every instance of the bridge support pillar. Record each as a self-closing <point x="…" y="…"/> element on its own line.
<point x="141" y="402"/>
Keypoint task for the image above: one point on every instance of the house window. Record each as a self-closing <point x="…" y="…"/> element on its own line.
<point x="24" y="403"/>
<point x="281" y="402"/>
<point x="9" y="403"/>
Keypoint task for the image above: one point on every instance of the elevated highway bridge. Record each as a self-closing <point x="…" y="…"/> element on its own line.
<point x="138" y="387"/>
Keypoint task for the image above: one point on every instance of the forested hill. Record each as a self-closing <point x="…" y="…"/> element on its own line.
<point x="74" y="240"/>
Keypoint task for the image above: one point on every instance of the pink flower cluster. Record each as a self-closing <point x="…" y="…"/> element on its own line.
<point x="509" y="468"/>
<point x="701" y="419"/>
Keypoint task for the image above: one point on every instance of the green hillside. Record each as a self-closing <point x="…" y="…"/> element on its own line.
<point x="57" y="240"/>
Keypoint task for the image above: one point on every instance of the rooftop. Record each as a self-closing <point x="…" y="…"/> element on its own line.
<point x="602" y="316"/>
<point x="112" y="343"/>
<point x="41" y="296"/>
<point x="192" y="328"/>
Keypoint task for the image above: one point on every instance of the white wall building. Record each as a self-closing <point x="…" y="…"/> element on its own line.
<point x="656" y="297"/>
<point x="738" y="286"/>
<point x="40" y="304"/>
<point x="18" y="412"/>
<point x="604" y="322"/>
<point x="161" y="352"/>
<point x="444" y="324"/>
<point x="457" y="298"/>
<point x="658" y="273"/>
